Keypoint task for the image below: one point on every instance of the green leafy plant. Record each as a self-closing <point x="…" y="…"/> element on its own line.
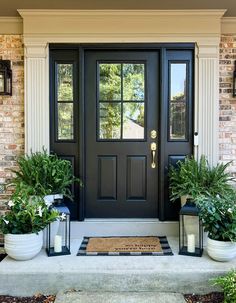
<point x="194" y="178"/>
<point x="42" y="174"/>
<point x="228" y="284"/>
<point x="218" y="215"/>
<point x="27" y="215"/>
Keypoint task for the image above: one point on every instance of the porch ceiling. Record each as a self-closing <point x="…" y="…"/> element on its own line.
<point x="9" y="8"/>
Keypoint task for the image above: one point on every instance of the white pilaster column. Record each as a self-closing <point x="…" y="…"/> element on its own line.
<point x="36" y="97"/>
<point x="208" y="101"/>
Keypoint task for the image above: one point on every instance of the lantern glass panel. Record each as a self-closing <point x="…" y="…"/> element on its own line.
<point x="58" y="234"/>
<point x="190" y="232"/>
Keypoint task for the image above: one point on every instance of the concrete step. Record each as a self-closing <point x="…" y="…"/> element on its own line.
<point x="123" y="227"/>
<point x="48" y="275"/>
<point x="119" y="297"/>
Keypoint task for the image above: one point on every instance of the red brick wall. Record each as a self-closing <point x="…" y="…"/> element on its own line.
<point x="227" y="133"/>
<point x="11" y="112"/>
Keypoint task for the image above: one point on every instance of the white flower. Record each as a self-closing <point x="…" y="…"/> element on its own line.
<point x="218" y="196"/>
<point x="63" y="216"/>
<point x="11" y="203"/>
<point x="6" y="221"/>
<point x="40" y="211"/>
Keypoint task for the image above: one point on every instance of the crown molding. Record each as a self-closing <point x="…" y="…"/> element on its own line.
<point x="11" y="25"/>
<point x="63" y="12"/>
<point x="14" y="25"/>
<point x="228" y="25"/>
<point x="119" y="25"/>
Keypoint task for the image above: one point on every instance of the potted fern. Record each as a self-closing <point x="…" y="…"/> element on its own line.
<point x="193" y="178"/>
<point x="41" y="174"/>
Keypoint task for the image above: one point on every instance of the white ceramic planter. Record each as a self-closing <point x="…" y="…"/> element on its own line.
<point x="23" y="247"/>
<point x="220" y="250"/>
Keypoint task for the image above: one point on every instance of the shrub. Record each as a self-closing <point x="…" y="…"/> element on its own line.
<point x="228" y="284"/>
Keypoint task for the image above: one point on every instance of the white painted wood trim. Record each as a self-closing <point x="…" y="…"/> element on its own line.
<point x="202" y="27"/>
<point x="119" y="12"/>
<point x="36" y="98"/>
<point x="14" y="25"/>
<point x="228" y="25"/>
<point x="208" y="107"/>
<point x="11" y="25"/>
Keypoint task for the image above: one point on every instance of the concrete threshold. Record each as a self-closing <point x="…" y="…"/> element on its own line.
<point x="48" y="275"/>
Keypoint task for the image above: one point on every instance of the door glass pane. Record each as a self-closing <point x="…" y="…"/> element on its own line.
<point x="65" y="121"/>
<point x="178" y="121"/>
<point x="109" y="82"/>
<point x="64" y="82"/>
<point x="178" y="99"/>
<point x="178" y="81"/>
<point x="133" y="77"/>
<point x="133" y="120"/>
<point x="110" y="120"/>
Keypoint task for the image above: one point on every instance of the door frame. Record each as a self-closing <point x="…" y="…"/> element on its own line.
<point x="82" y="48"/>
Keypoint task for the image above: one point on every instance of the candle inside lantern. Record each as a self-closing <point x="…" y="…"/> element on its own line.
<point x="57" y="244"/>
<point x="191" y="243"/>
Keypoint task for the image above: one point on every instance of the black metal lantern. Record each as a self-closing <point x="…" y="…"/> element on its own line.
<point x="5" y="77"/>
<point x="58" y="234"/>
<point x="234" y="80"/>
<point x="190" y="230"/>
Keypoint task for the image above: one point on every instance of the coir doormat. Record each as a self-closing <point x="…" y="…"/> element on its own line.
<point x="125" y="246"/>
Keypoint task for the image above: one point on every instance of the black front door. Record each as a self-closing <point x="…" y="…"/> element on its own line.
<point x="121" y="127"/>
<point x="122" y="114"/>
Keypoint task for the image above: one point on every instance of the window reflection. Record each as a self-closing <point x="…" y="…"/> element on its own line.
<point x="110" y="120"/>
<point x="178" y="81"/>
<point x="65" y="99"/>
<point x="65" y="121"/>
<point x="109" y="82"/>
<point x="133" y="121"/>
<point x="133" y="82"/>
<point x="178" y="99"/>
<point x="121" y="100"/>
<point x="64" y="82"/>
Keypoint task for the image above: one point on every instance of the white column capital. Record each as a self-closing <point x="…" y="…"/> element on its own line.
<point x="208" y="48"/>
<point x="36" y="50"/>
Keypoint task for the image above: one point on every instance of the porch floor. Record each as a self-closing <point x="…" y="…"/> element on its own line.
<point x="49" y="275"/>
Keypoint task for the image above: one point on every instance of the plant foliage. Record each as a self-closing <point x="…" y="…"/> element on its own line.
<point x="42" y="174"/>
<point x="194" y="178"/>
<point x="218" y="215"/>
<point x="27" y="215"/>
<point x="228" y="284"/>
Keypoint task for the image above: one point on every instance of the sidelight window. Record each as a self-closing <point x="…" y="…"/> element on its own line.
<point x="65" y="101"/>
<point x="178" y="101"/>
